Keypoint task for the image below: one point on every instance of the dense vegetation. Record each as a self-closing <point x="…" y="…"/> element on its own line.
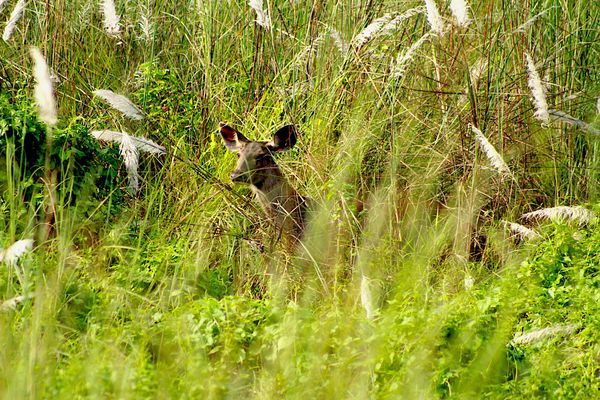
<point x="421" y="141"/>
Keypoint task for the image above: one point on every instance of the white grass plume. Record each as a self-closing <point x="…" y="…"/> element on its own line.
<point x="477" y="71"/>
<point x="15" y="16"/>
<point x="578" y="214"/>
<point x="130" y="155"/>
<point x="142" y="144"/>
<point x="569" y="119"/>
<point x="540" y="334"/>
<point x="598" y="106"/>
<point x="371" y="31"/>
<point x="434" y="18"/>
<point x="146" y="25"/>
<point x="366" y="297"/>
<point x="262" y="16"/>
<point x="15" y="251"/>
<point x="2" y="4"/>
<point x="341" y="44"/>
<point x="12" y="303"/>
<point x="538" y="91"/>
<point x="460" y="10"/>
<point x="111" y="19"/>
<point x="306" y="52"/>
<point x="120" y="103"/>
<point x="399" y="68"/>
<point x="43" y="93"/>
<point x="523" y="231"/>
<point x="394" y="24"/>
<point x="491" y="153"/>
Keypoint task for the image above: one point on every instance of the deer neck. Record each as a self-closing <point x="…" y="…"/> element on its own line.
<point x="274" y="193"/>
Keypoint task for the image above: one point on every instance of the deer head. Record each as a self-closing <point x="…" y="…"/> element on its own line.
<point x="255" y="159"/>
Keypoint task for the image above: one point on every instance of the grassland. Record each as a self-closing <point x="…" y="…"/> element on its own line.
<point x="409" y="283"/>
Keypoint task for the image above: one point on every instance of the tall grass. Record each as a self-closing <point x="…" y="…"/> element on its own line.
<point x="407" y="284"/>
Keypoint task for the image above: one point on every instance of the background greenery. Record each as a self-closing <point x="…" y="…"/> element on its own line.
<point x="166" y="295"/>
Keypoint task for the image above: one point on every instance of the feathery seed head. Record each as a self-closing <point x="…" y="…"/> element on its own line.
<point x="339" y="41"/>
<point x="434" y="18"/>
<point x="142" y="144"/>
<point x="130" y="155"/>
<point x="540" y="334"/>
<point x="577" y="214"/>
<point x="43" y="93"/>
<point x="111" y="19"/>
<point x="491" y="153"/>
<point x="460" y="10"/>
<point x="371" y="31"/>
<point x="120" y="103"/>
<point x="15" y="16"/>
<point x="366" y="298"/>
<point x="399" y="68"/>
<point x="538" y="91"/>
<point x="522" y="231"/>
<point x="2" y="4"/>
<point x="15" y="251"/>
<point x="262" y="16"/>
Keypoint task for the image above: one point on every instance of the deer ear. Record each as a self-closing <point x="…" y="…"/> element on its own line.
<point x="231" y="137"/>
<point x="284" y="139"/>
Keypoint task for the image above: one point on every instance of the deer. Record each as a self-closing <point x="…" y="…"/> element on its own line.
<point x="256" y="167"/>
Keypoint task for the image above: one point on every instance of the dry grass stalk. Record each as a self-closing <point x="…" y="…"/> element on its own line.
<point x="2" y="4"/>
<point x="434" y="18"/>
<point x="460" y="10"/>
<point x="142" y="144"/>
<point x="538" y="91"/>
<point x="120" y="103"/>
<point x="15" y="251"/>
<point x="15" y="16"/>
<point x="111" y="19"/>
<point x="399" y="68"/>
<point x="43" y="92"/>
<point x="366" y="297"/>
<point x="578" y="214"/>
<point x="569" y="119"/>
<point x="491" y="153"/>
<point x="262" y="16"/>
<point x="522" y="231"/>
<point x="540" y="334"/>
